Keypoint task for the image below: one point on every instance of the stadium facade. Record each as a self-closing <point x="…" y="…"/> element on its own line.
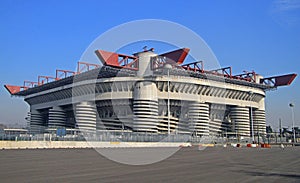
<point x="151" y="93"/>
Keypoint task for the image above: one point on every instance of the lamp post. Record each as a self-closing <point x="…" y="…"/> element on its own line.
<point x="280" y="130"/>
<point x="251" y="117"/>
<point x="293" y="119"/>
<point x="168" y="67"/>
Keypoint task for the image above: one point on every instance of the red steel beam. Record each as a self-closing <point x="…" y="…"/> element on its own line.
<point x="246" y="76"/>
<point x="117" y="60"/>
<point x="176" y="56"/>
<point x="60" y="74"/>
<point x="194" y="66"/>
<point x="283" y="80"/>
<point x="30" y="84"/>
<point x="225" y="71"/>
<point x="84" y="66"/>
<point x="45" y="79"/>
<point x="14" y="89"/>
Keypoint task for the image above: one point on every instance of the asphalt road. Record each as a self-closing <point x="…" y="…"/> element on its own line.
<point x="187" y="165"/>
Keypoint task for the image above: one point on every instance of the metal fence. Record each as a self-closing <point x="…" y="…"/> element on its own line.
<point x="146" y="137"/>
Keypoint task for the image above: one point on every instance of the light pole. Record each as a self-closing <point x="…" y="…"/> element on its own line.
<point x="293" y="119"/>
<point x="168" y="67"/>
<point x="251" y="117"/>
<point x="280" y="132"/>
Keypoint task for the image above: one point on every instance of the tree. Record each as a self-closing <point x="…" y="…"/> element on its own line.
<point x="2" y="126"/>
<point x="269" y="129"/>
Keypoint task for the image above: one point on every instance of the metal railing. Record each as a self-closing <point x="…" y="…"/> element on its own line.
<point x="273" y="138"/>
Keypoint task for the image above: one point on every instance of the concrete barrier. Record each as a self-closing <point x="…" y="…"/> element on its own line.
<point x="208" y="145"/>
<point x="84" y="144"/>
<point x="252" y="145"/>
<point x="265" y="145"/>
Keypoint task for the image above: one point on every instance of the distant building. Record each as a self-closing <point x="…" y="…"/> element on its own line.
<point x="14" y="131"/>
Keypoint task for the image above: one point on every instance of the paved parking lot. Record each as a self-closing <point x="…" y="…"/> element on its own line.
<point x="187" y="165"/>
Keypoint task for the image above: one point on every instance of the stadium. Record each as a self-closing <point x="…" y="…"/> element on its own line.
<point x="149" y="93"/>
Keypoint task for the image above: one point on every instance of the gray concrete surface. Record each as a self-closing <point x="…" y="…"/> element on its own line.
<point x="187" y="165"/>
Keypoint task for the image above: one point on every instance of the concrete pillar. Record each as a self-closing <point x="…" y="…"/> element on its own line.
<point x="259" y="118"/>
<point x="145" y="63"/>
<point x="240" y="118"/>
<point x="145" y="107"/>
<point x="259" y="122"/>
<point x="199" y="118"/>
<point x="86" y="117"/>
<point x="56" y="118"/>
<point x="37" y="122"/>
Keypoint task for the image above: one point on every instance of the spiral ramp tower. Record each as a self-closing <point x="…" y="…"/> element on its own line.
<point x="199" y="118"/>
<point x="56" y="118"/>
<point x="145" y="107"/>
<point x="37" y="122"/>
<point x="240" y="120"/>
<point x="215" y="127"/>
<point x="27" y="118"/>
<point x="259" y="122"/>
<point x="145" y="100"/>
<point x="86" y="117"/>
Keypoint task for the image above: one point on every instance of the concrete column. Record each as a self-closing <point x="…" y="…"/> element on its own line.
<point x="145" y="107"/>
<point x="259" y="122"/>
<point x="199" y="118"/>
<point x="37" y="122"/>
<point x="86" y="117"/>
<point x="240" y="118"/>
<point x="56" y="118"/>
<point x="145" y="63"/>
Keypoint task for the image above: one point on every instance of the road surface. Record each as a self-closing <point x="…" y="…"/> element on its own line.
<point x="187" y="165"/>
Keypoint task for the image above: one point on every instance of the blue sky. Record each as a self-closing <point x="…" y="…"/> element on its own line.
<point x="39" y="36"/>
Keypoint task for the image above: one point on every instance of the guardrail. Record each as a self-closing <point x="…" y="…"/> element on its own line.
<point x="142" y="137"/>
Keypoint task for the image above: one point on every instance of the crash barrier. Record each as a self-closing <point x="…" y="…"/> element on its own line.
<point x="252" y="145"/>
<point x="236" y="145"/>
<point x="265" y="145"/>
<point x="84" y="144"/>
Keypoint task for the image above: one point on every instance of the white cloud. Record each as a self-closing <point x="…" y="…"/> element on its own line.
<point x="286" y="12"/>
<point x="286" y="5"/>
